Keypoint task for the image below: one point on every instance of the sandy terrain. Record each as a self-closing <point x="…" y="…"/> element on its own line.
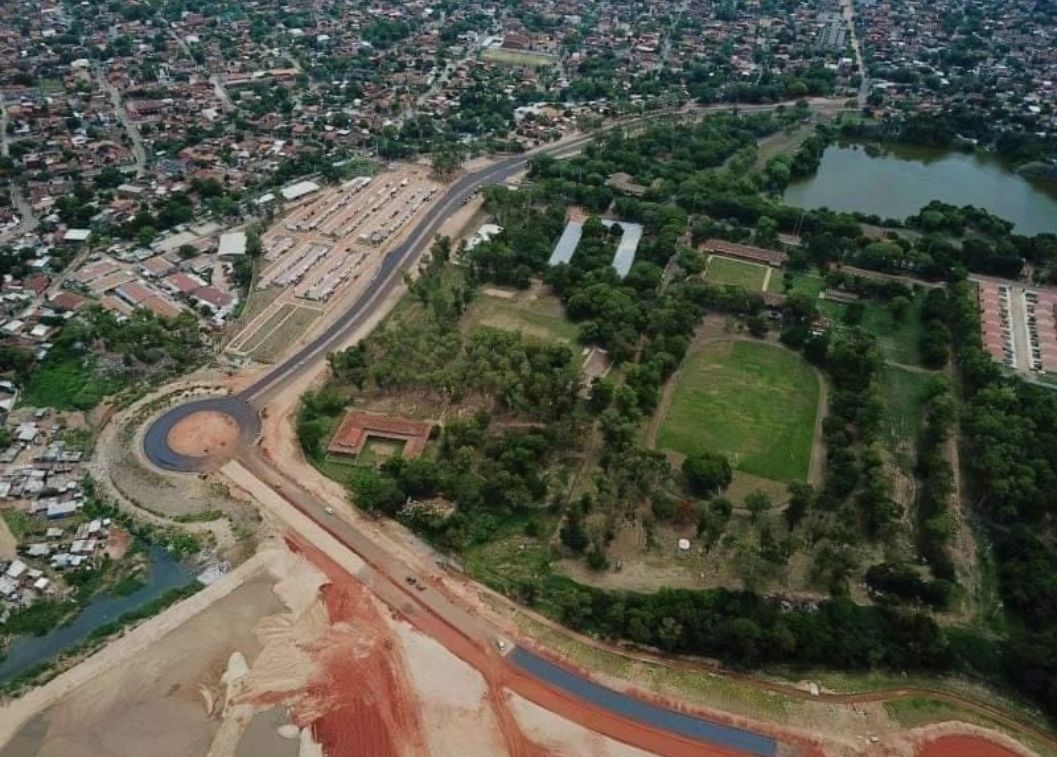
<point x="457" y="718"/>
<point x="204" y="433"/>
<point x="150" y="674"/>
<point x="557" y="734"/>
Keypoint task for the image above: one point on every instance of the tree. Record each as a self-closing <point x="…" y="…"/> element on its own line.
<point x="801" y="500"/>
<point x="351" y="365"/>
<point x="758" y="503"/>
<point x="707" y="473"/>
<point x="899" y="307"/>
<point x="757" y="326"/>
<point x="445" y="162"/>
<point x="572" y="532"/>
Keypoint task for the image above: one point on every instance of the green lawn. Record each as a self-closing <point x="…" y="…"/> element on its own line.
<point x="377" y="450"/>
<point x="898" y="340"/>
<point x="750" y="401"/>
<point x="749" y="276"/>
<point x="803" y="283"/>
<point x="541" y="317"/>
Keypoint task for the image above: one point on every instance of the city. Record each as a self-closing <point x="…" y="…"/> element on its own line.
<point x="530" y="378"/>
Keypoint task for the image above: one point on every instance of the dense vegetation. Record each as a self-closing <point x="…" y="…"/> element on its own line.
<point x="486" y="475"/>
<point x="95" y="355"/>
<point x="1011" y="453"/>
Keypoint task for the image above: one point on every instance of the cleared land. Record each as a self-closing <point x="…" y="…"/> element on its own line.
<point x="750" y="401"/>
<point x="533" y="314"/>
<point x="732" y="272"/>
<point x="201" y="434"/>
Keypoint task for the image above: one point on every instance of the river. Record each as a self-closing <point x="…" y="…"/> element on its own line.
<point x="901" y="181"/>
<point x="165" y="573"/>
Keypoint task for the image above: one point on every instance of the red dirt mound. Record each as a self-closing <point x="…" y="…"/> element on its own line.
<point x="964" y="746"/>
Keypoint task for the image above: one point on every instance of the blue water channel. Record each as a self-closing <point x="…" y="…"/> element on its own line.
<point x="166" y="573"/>
<point x="643" y="712"/>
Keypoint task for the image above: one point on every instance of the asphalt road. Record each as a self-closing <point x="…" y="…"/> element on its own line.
<point x="473" y="638"/>
<point x="243" y="408"/>
<point x="156" y="438"/>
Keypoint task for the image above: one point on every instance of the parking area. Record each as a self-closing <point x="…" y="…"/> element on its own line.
<point x="1018" y="325"/>
<point x="1041" y="329"/>
<point x="996" y="322"/>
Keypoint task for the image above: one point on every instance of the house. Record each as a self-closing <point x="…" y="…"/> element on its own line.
<point x="16" y="569"/>
<point x="65" y="509"/>
<point x="747" y="253"/>
<point x="232" y="244"/>
<point x="213" y="298"/>
<point x="76" y="235"/>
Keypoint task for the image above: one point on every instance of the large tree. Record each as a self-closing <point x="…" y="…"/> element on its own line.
<point x="707" y="473"/>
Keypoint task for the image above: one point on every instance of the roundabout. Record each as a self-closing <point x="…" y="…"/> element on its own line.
<point x="201" y="435"/>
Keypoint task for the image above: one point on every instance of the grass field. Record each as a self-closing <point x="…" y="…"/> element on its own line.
<point x="257" y="302"/>
<point x="723" y="270"/>
<point x="750" y="401"/>
<point x="511" y="556"/>
<point x="904" y="395"/>
<point x="803" y="283"/>
<point x="281" y="338"/>
<point x="541" y="317"/>
<point x="898" y="340"/>
<point x="517" y="58"/>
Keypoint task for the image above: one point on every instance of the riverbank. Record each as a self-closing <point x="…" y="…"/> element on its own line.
<point x="29" y="657"/>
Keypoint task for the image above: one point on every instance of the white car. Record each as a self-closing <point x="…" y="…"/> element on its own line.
<point x="328" y="510"/>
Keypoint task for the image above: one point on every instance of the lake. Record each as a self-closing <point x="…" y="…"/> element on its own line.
<point x="900" y="182"/>
<point x="165" y="573"/>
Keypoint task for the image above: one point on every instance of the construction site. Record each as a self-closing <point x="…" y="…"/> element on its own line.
<point x="319" y="252"/>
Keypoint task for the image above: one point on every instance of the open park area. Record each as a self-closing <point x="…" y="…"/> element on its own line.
<point x="753" y="402"/>
<point x="535" y="313"/>
<point x="728" y="271"/>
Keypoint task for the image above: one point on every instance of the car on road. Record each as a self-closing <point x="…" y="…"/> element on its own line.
<point x="328" y="510"/>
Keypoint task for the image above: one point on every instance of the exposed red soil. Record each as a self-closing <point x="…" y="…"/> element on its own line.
<point x="359" y="702"/>
<point x="500" y="677"/>
<point x="118" y="543"/>
<point x="204" y="433"/>
<point x="964" y="746"/>
<point x="460" y="633"/>
<point x="394" y="715"/>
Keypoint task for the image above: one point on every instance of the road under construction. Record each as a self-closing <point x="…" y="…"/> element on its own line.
<point x="621" y="716"/>
<point x="571" y="694"/>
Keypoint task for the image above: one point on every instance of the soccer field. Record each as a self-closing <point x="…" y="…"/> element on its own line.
<point x="750" y="401"/>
